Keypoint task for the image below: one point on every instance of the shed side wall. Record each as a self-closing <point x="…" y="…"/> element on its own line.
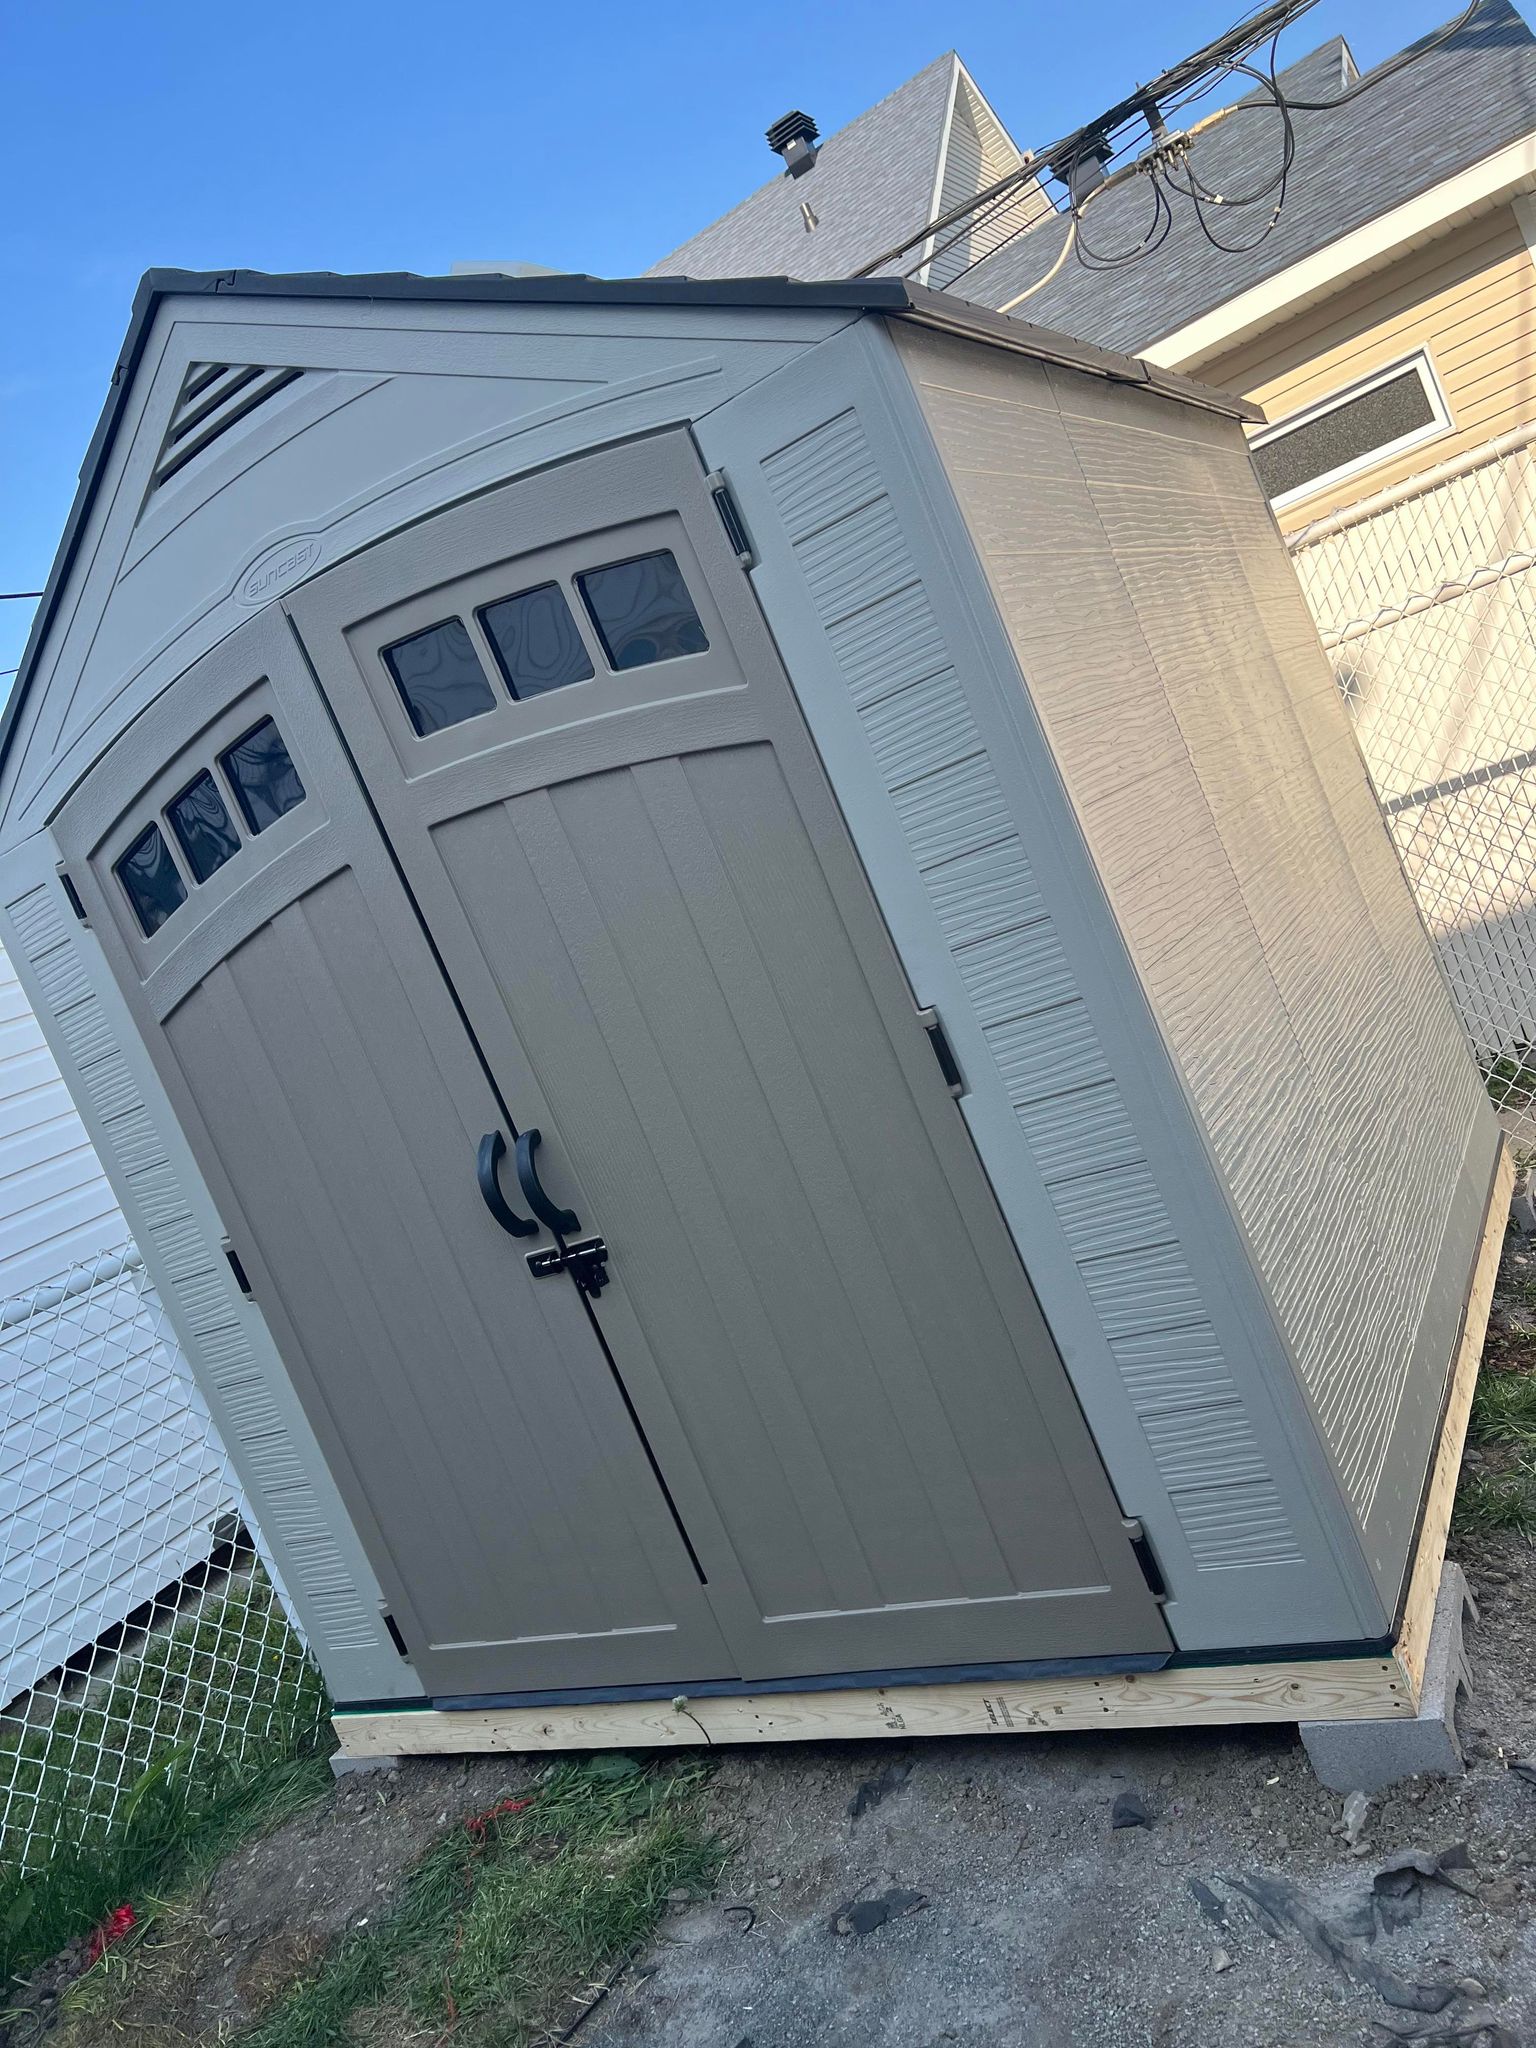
<point x="1223" y="798"/>
<point x="912" y="692"/>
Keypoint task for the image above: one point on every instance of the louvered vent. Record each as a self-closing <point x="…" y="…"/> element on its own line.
<point x="214" y="397"/>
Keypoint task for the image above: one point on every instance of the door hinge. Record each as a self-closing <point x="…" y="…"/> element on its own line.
<point x="73" y="894"/>
<point x="730" y="518"/>
<point x="237" y="1267"/>
<point x="1146" y="1557"/>
<point x="943" y="1051"/>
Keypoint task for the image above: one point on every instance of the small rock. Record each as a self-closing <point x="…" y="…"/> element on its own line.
<point x="773" y="1883"/>
<point x="863" y="1916"/>
<point x="1471" y="1987"/>
<point x="1129" y="1811"/>
<point x="1221" y="1961"/>
<point x="1255" y="1813"/>
<point x="1169" y="1778"/>
<point x="220" y="1928"/>
<point x="1501" y="1893"/>
<point x="678" y="1896"/>
<point x="1352" y="1819"/>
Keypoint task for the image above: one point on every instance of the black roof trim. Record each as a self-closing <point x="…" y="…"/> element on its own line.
<point x="887" y="295"/>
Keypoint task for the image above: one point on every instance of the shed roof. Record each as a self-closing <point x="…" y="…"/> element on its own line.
<point x="887" y="295"/>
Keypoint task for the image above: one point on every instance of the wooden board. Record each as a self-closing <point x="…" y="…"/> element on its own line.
<point x="1343" y="1688"/>
<point x="1440" y="1496"/>
<point x="1337" y="1689"/>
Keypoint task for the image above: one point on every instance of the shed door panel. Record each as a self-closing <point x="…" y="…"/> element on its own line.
<point x="647" y="901"/>
<point x="336" y="1101"/>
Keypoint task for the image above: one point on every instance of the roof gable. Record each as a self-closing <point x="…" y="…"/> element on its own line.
<point x="871" y="182"/>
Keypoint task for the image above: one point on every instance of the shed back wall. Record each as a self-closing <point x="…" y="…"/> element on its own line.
<point x="1221" y="793"/>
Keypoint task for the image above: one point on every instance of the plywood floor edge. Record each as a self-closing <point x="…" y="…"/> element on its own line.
<point x="1440" y="1494"/>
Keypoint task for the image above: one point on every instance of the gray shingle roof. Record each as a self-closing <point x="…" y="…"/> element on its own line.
<point x="1456" y="104"/>
<point x="872" y="183"/>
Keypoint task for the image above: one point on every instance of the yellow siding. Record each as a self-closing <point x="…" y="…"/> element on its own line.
<point x="1468" y="297"/>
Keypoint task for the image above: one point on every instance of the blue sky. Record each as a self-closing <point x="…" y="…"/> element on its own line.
<point x="389" y="137"/>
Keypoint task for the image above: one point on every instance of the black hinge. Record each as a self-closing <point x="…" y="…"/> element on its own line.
<point x="235" y="1266"/>
<point x="943" y="1051"/>
<point x="1146" y="1557"/>
<point x="395" y="1636"/>
<point x="730" y="518"/>
<point x="73" y="894"/>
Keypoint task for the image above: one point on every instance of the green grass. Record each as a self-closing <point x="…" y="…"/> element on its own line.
<point x="507" y="1924"/>
<point x="76" y="1848"/>
<point x="1502" y="1495"/>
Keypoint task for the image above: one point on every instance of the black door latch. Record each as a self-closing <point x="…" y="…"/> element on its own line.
<point x="586" y="1262"/>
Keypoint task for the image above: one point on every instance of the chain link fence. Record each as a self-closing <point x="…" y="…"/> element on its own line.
<point x="138" y="1622"/>
<point x="1426" y="601"/>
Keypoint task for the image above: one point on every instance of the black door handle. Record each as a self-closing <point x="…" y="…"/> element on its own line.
<point x="562" y="1221"/>
<point x="487" y="1159"/>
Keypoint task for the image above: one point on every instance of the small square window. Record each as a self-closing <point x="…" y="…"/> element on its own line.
<point x="262" y="775"/>
<point x="536" y="642"/>
<point x="152" y="880"/>
<point x="204" y="830"/>
<point x="439" y="677"/>
<point x="642" y="610"/>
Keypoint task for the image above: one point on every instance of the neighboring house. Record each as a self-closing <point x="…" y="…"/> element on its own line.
<point x="111" y="1480"/>
<point x="1387" y="326"/>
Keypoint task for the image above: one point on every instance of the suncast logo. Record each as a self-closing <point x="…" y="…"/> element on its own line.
<point x="278" y="568"/>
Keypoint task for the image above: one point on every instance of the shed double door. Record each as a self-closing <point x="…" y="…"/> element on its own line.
<point x="811" y="1419"/>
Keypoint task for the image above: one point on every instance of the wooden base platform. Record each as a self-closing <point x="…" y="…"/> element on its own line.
<point x="1341" y="1688"/>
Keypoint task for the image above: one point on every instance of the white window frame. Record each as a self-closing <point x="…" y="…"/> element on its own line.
<point x="1442" y="423"/>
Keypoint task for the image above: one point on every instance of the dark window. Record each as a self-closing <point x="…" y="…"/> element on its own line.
<point x="204" y="829"/>
<point x="437" y="674"/>
<point x="264" y="779"/>
<point x="150" y="876"/>
<point x="536" y="641"/>
<point x="1386" y="413"/>
<point x="643" y="611"/>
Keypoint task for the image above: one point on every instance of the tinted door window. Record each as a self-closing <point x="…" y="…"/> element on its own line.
<point x="642" y="610"/>
<point x="150" y="876"/>
<point x="204" y="829"/>
<point x="439" y="677"/>
<point x="262" y="775"/>
<point x="536" y="642"/>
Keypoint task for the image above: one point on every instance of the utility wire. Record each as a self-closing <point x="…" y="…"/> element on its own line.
<point x="1167" y="164"/>
<point x="5" y="594"/>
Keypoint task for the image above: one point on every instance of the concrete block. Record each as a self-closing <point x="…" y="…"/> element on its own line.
<point x="1367" y="1756"/>
<point x="349" y="1766"/>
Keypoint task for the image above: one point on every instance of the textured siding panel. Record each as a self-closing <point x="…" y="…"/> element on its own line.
<point x="965" y="843"/>
<point x="198" y="1281"/>
<point x="1249" y="870"/>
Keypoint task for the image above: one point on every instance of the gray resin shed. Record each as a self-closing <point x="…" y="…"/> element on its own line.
<point x="729" y="950"/>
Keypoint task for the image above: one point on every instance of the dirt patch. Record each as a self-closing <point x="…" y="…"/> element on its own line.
<point x="976" y="1893"/>
<point x="269" y="1914"/>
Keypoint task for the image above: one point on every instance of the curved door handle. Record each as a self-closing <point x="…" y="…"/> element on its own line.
<point x="559" y="1220"/>
<point x="487" y="1159"/>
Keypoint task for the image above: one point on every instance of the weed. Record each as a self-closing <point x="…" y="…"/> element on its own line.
<point x="1505" y="1500"/>
<point x="142" y="1782"/>
<point x="505" y="1924"/>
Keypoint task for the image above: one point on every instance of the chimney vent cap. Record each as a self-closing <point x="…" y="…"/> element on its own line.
<point x="791" y="127"/>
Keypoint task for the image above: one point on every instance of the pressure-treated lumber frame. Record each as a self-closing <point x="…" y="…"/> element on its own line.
<point x="1364" y="1688"/>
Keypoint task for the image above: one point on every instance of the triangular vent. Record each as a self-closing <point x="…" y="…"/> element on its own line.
<point x="214" y="397"/>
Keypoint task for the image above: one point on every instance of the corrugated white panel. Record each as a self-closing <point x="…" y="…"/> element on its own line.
<point x="111" y="1479"/>
<point x="55" y="1204"/>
